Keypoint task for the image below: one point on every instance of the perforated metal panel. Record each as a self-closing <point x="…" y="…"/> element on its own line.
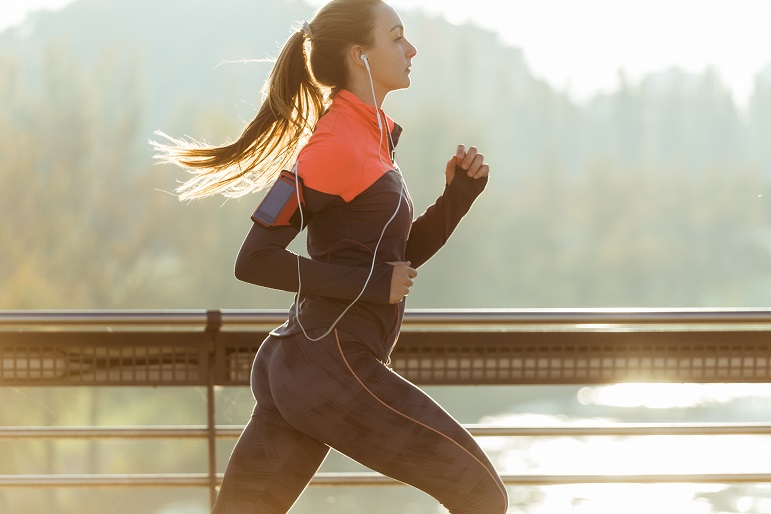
<point x="562" y="357"/>
<point x="524" y="348"/>
<point x="136" y="358"/>
<point x="578" y="358"/>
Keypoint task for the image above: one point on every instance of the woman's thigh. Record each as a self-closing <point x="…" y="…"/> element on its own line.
<point x="353" y="403"/>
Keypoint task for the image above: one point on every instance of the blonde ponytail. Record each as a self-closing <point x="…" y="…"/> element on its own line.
<point x="292" y="104"/>
<point x="293" y="101"/>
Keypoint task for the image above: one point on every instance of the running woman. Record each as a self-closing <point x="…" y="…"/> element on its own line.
<point x="322" y="379"/>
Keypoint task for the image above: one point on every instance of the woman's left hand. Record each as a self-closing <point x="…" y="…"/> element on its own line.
<point x="471" y="161"/>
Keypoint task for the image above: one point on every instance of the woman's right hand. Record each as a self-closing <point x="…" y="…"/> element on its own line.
<point x="401" y="281"/>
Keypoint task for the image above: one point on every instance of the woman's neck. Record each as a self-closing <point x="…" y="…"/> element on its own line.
<point x="362" y="88"/>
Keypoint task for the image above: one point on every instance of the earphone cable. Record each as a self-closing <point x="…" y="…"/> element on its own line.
<point x="395" y="166"/>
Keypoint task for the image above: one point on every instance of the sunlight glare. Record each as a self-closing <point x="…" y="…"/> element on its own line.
<point x="617" y="455"/>
<point x="669" y="396"/>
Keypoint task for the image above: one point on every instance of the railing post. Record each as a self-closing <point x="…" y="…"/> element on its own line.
<point x="213" y="325"/>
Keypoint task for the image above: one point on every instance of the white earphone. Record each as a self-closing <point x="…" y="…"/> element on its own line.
<point x="374" y="253"/>
<point x="377" y="111"/>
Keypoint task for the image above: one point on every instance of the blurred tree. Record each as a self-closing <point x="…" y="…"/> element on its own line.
<point x="91" y="229"/>
<point x="80" y="233"/>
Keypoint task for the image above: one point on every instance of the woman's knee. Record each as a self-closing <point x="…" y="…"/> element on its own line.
<point x="497" y="503"/>
<point x="488" y="501"/>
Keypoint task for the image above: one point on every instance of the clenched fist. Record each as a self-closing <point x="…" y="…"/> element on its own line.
<point x="401" y="281"/>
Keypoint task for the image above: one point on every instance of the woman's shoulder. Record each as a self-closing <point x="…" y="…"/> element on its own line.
<point x="331" y="161"/>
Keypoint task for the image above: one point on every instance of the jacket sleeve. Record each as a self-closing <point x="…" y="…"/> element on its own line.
<point x="431" y="230"/>
<point x="265" y="261"/>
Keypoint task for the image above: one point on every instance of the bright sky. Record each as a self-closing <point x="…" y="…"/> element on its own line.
<point x="14" y="11"/>
<point x="581" y="45"/>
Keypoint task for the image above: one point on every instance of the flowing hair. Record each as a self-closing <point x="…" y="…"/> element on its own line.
<point x="295" y="95"/>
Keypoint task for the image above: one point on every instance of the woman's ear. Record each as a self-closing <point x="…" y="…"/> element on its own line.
<point x="354" y="54"/>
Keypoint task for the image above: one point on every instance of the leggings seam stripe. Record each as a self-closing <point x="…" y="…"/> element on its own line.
<point x="340" y="349"/>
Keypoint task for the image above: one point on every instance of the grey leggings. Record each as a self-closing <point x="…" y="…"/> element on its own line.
<point x="334" y="393"/>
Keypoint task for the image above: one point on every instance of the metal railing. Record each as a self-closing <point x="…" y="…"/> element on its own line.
<point x="210" y="348"/>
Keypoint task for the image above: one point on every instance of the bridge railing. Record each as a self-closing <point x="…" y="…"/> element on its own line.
<point x="460" y="347"/>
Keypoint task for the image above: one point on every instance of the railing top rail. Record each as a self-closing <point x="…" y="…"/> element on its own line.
<point x="371" y="479"/>
<point x="415" y="318"/>
<point x="477" y="430"/>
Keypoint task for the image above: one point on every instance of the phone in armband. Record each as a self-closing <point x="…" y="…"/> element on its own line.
<point x="280" y="203"/>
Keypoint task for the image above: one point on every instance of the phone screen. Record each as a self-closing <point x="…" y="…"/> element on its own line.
<point x="274" y="202"/>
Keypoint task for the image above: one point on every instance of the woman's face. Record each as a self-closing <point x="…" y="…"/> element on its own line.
<point x="390" y="57"/>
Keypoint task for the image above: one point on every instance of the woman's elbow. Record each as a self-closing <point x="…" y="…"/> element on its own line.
<point x="243" y="268"/>
<point x="254" y="265"/>
<point x="238" y="272"/>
